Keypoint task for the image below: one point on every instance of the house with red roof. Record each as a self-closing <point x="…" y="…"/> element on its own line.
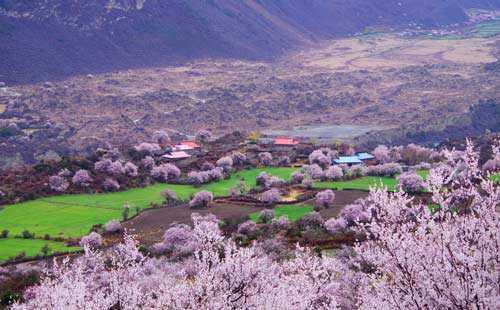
<point x="285" y="141"/>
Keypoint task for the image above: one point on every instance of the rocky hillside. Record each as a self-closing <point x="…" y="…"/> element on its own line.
<point x="48" y="39"/>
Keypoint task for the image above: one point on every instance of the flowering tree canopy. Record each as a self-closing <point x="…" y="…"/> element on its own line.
<point x="266" y="215"/>
<point x="324" y="199"/>
<point x="82" y="178"/>
<point x="265" y="158"/>
<point x="381" y="154"/>
<point x="271" y="196"/>
<point x="161" y="137"/>
<point x="411" y="182"/>
<point x="319" y="158"/>
<point x="92" y="240"/>
<point x="201" y="199"/>
<point x="166" y="172"/>
<point x="58" y="183"/>
<point x="110" y="185"/>
<point x="203" y="136"/>
<point x="334" y="173"/>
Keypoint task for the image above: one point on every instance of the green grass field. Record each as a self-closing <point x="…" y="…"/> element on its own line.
<point x="74" y="215"/>
<point x="495" y="178"/>
<point x="365" y="183"/>
<point x="11" y="247"/>
<point x="294" y="212"/>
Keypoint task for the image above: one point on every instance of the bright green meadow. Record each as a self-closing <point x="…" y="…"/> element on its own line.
<point x="294" y="212"/>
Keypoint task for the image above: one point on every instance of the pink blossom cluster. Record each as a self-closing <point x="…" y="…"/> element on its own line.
<point x="386" y="170"/>
<point x="382" y="154"/>
<point x="82" y="178"/>
<point x="266" y="215"/>
<point x="148" y="148"/>
<point x="297" y="177"/>
<point x="265" y="158"/>
<point x="248" y="228"/>
<point x="92" y="241"/>
<point x="411" y="182"/>
<point x="166" y="173"/>
<point x="412" y="257"/>
<point x="201" y="199"/>
<point x="161" y="137"/>
<point x="239" y="159"/>
<point x="333" y="173"/>
<point x="131" y="169"/>
<point x="281" y="223"/>
<point x="319" y="158"/>
<point x="324" y="199"/>
<point x="203" y="136"/>
<point x="148" y="162"/>
<point x="267" y="181"/>
<point x="226" y="163"/>
<point x="313" y="171"/>
<point x="271" y="196"/>
<point x="203" y="177"/>
<point x="58" y="183"/>
<point x="110" y="185"/>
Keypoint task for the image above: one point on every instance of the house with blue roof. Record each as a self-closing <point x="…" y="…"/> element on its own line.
<point x="357" y="159"/>
<point x="348" y="160"/>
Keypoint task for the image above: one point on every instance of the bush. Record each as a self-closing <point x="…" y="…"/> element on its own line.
<point x="319" y="158"/>
<point x="324" y="199"/>
<point x="314" y="171"/>
<point x="131" y="169"/>
<point x="248" y="228"/>
<point x="201" y="200"/>
<point x="203" y="136"/>
<point x="110" y="185"/>
<point x="266" y="215"/>
<point x="166" y="173"/>
<point x="385" y="170"/>
<point x="226" y="163"/>
<point x="4" y="234"/>
<point x="26" y="234"/>
<point x="169" y="195"/>
<point x="271" y="196"/>
<point x="239" y="159"/>
<point x="307" y="183"/>
<point x="312" y="220"/>
<point x="297" y="177"/>
<point x="58" y="183"/>
<point x="92" y="240"/>
<point x="113" y="226"/>
<point x="281" y="223"/>
<point x="148" y="148"/>
<point x="355" y="213"/>
<point x="148" y="162"/>
<point x="334" y="173"/>
<point x="265" y="158"/>
<point x="411" y="182"/>
<point x="381" y="154"/>
<point x="160" y="137"/>
<point x="336" y="225"/>
<point x="82" y="178"/>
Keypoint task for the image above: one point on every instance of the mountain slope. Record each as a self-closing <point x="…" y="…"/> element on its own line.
<point x="49" y="39"/>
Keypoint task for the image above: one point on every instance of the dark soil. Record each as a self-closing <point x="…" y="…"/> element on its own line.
<point x="150" y="225"/>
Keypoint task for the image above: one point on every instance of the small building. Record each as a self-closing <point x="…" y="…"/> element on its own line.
<point x="176" y="155"/>
<point x="365" y="156"/>
<point x="348" y="160"/>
